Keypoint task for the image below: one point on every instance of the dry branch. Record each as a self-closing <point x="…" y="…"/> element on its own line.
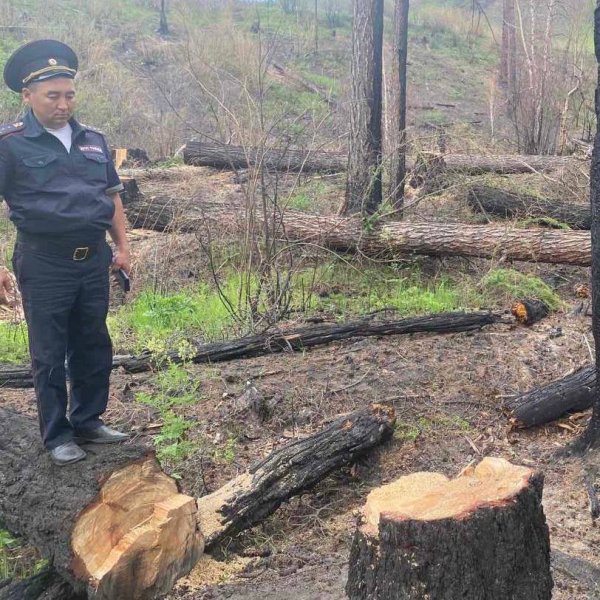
<point x="295" y="339"/>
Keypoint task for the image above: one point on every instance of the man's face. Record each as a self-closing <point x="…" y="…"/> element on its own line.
<point x="52" y="101"/>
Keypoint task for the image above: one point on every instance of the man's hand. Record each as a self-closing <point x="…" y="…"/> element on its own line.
<point x="6" y="287"/>
<point x="122" y="260"/>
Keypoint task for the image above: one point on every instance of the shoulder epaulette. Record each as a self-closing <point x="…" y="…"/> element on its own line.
<point x="11" y="128"/>
<point x="92" y="128"/>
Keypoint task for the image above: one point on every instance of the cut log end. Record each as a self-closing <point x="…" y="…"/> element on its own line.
<point x="138" y="537"/>
<point x="429" y="496"/>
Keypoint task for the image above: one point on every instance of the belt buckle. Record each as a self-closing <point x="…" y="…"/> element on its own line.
<point x="81" y="253"/>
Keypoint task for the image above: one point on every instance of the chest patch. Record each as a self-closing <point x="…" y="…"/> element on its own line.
<point x="91" y="149"/>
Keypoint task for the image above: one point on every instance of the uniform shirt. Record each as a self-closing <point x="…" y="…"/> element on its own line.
<point x="64" y="134"/>
<point x="52" y="192"/>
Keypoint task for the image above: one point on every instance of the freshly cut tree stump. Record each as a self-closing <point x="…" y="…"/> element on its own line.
<point x="480" y="536"/>
<point x="573" y="393"/>
<point x="113" y="525"/>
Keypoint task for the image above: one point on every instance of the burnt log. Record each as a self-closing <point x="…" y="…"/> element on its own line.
<point x="481" y="535"/>
<point x="388" y="238"/>
<point x="17" y="376"/>
<point x="45" y="585"/>
<point x="529" y="311"/>
<point x="249" y="498"/>
<point x="113" y="526"/>
<point x="506" y="204"/>
<point x="205" y="153"/>
<point x="545" y="404"/>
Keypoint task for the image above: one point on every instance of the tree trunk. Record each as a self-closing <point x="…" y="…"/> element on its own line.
<point x="297" y="339"/>
<point x="45" y="585"/>
<point x="502" y="203"/>
<point x="202" y="153"/>
<point x="364" y="187"/>
<point x="251" y="497"/>
<point x="401" y="50"/>
<point x="114" y="524"/>
<point x="509" y="46"/>
<point x="591" y="437"/>
<point x="481" y="535"/>
<point x="545" y="404"/>
<point x="347" y="234"/>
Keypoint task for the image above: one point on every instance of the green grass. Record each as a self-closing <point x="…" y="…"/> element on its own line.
<point x="17" y="561"/>
<point x="515" y="285"/>
<point x="14" y="346"/>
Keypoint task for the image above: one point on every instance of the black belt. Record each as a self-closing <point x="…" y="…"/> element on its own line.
<point x="72" y="251"/>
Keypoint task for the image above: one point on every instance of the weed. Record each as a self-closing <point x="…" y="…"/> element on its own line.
<point x="14" y="345"/>
<point x="514" y="285"/>
<point x="228" y="452"/>
<point x="16" y="561"/>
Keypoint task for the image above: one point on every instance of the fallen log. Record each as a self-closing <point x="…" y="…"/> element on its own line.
<point x="506" y="204"/>
<point x="481" y="535"/>
<point x="249" y="498"/>
<point x="18" y="376"/>
<point x="113" y="525"/>
<point x="205" y="153"/>
<point x="348" y="234"/>
<point x="545" y="404"/>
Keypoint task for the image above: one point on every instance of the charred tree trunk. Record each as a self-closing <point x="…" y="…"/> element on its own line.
<point x="481" y="535"/>
<point x="364" y="184"/>
<point x="591" y="436"/>
<point x="401" y="51"/>
<point x="45" y="585"/>
<point x="102" y="521"/>
<point x="346" y="234"/>
<point x="296" y="339"/>
<point x="251" y="497"/>
<point x="545" y="404"/>
<point x="502" y="203"/>
<point x="202" y="153"/>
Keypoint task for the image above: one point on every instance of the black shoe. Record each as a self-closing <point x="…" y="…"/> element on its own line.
<point x="66" y="453"/>
<point x="100" y="435"/>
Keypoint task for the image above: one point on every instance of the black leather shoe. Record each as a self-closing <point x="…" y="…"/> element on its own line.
<point x="67" y="453"/>
<point x="100" y="435"/>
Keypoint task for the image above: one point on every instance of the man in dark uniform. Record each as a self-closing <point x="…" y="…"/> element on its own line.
<point x="62" y="190"/>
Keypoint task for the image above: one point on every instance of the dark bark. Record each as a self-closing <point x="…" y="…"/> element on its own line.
<point x="45" y="585"/>
<point x="545" y="404"/>
<point x="250" y="498"/>
<point x="47" y="505"/>
<point x="401" y="51"/>
<point x="496" y="551"/>
<point x="364" y="183"/>
<point x="204" y="153"/>
<point x="502" y="203"/>
<point x="591" y="436"/>
<point x="294" y="340"/>
<point x="578" y="569"/>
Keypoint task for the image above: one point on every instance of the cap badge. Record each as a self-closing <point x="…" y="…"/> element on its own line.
<point x="52" y="62"/>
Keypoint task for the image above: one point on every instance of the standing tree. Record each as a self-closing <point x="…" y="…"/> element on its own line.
<point x="591" y="436"/>
<point x="363" y="188"/>
<point x="163" y="27"/>
<point x="316" y="27"/>
<point x="509" y="45"/>
<point x="401" y="52"/>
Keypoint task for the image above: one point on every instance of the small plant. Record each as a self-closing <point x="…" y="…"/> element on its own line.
<point x="514" y="285"/>
<point x="14" y="345"/>
<point x="175" y="387"/>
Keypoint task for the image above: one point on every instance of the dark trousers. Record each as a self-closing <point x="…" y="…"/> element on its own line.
<point x="66" y="303"/>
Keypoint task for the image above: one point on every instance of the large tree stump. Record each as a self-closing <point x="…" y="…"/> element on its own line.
<point x="114" y="525"/>
<point x="480" y="536"/>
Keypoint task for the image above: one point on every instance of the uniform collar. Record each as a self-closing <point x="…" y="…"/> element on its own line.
<point x="33" y="128"/>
